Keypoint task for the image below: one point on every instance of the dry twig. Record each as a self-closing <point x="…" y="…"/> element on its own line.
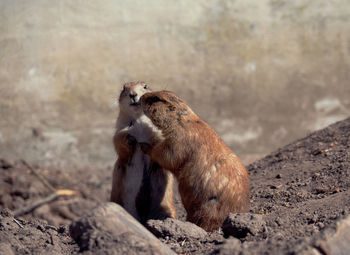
<point x="53" y="196"/>
<point x="18" y="223"/>
<point x="40" y="177"/>
<point x="48" y="199"/>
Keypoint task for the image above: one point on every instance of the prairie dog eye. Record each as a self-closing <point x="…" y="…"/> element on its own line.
<point x="145" y="87"/>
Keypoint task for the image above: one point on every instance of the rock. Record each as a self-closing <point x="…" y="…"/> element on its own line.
<point x="242" y="224"/>
<point x="109" y="229"/>
<point x="175" y="229"/>
<point x="339" y="242"/>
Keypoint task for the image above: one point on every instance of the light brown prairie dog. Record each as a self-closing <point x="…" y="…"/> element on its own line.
<point x="212" y="180"/>
<point x="141" y="186"/>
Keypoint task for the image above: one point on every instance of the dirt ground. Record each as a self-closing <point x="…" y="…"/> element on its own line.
<point x="300" y="190"/>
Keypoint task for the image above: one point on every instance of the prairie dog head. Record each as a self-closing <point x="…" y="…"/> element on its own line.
<point x="165" y="109"/>
<point x="129" y="99"/>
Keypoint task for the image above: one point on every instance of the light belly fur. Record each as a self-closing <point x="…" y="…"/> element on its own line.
<point x="133" y="180"/>
<point x="141" y="129"/>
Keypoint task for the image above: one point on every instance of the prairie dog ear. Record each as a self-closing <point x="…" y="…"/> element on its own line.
<point x="146" y="148"/>
<point x="149" y="100"/>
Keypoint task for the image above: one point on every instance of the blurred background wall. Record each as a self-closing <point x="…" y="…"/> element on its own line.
<point x="261" y="72"/>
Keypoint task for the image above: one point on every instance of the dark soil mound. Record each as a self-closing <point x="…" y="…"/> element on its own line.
<point x="33" y="237"/>
<point x="303" y="187"/>
<point x="298" y="193"/>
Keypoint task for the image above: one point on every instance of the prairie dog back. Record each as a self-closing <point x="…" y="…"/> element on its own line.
<point x="212" y="180"/>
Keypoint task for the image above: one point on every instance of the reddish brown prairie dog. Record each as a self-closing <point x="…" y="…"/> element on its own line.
<point x="212" y="179"/>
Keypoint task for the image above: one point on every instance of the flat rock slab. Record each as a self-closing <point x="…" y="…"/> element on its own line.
<point x="109" y="229"/>
<point x="176" y="229"/>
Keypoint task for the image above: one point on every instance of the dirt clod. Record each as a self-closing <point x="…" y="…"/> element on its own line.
<point x="241" y="225"/>
<point x="176" y="229"/>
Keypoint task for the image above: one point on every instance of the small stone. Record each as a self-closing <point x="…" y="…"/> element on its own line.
<point x="241" y="225"/>
<point x="175" y="229"/>
<point x="320" y="224"/>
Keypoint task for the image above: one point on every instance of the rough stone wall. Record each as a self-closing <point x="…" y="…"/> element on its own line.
<point x="261" y="72"/>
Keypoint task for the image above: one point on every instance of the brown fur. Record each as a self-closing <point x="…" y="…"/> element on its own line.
<point x="124" y="147"/>
<point x="155" y="196"/>
<point x="212" y="179"/>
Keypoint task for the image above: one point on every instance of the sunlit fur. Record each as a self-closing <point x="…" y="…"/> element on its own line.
<point x="212" y="179"/>
<point x="141" y="186"/>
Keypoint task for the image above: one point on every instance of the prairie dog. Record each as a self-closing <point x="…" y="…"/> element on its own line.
<point x="141" y="186"/>
<point x="212" y="180"/>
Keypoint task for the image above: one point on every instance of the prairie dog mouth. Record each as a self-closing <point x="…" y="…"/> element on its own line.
<point x="135" y="103"/>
